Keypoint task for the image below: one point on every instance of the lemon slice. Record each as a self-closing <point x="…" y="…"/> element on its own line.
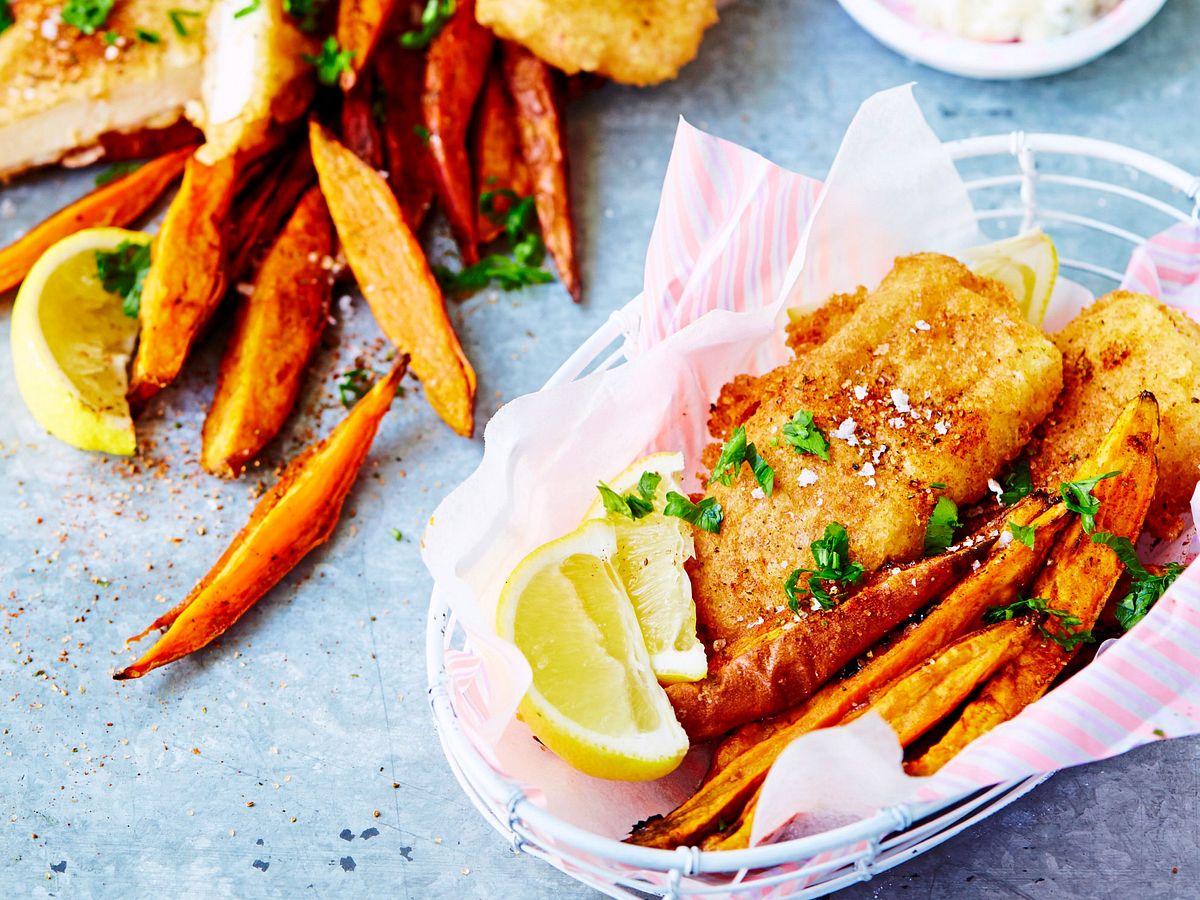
<point x="1027" y="265"/>
<point x="71" y="344"/>
<point x="650" y="555"/>
<point x="594" y="699"/>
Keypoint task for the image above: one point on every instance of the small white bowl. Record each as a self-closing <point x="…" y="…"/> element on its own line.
<point x="893" y="23"/>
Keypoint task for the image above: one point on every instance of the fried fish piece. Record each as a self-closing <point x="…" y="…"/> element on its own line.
<point x="935" y="379"/>
<point x="1122" y="344"/>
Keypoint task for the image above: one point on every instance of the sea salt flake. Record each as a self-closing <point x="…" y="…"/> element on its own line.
<point x="758" y="494"/>
<point x="867" y="470"/>
<point x="845" y="432"/>
<point x="860" y="392"/>
<point x="900" y="400"/>
<point x="941" y="427"/>
<point x="806" y="477"/>
<point x="922" y="325"/>
<point x="1004" y="540"/>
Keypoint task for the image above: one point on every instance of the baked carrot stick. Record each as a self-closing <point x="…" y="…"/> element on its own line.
<point x="496" y="152"/>
<point x="454" y="73"/>
<point x="359" y="26"/>
<point x="186" y="280"/>
<point x="394" y="276"/>
<point x="296" y="515"/>
<point x="120" y="202"/>
<point x="360" y="130"/>
<point x="275" y="331"/>
<point x="401" y="77"/>
<point x="540" y="120"/>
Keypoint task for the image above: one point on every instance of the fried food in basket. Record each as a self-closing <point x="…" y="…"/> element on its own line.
<point x="1121" y="344"/>
<point x="120" y="202"/>
<point x="633" y="41"/>
<point x="275" y="332"/>
<point x="296" y="515"/>
<point x="934" y="379"/>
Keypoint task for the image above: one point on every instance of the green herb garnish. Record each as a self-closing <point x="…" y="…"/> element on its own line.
<point x="528" y="251"/>
<point x="636" y="504"/>
<point x="831" y="553"/>
<point x="111" y="38"/>
<point x="804" y="436"/>
<point x="939" y="485"/>
<point x="1017" y="484"/>
<point x="147" y="37"/>
<point x="117" y="170"/>
<point x="1079" y="498"/>
<point x="939" y="532"/>
<point x="434" y="17"/>
<point x="737" y="451"/>
<point x="177" y="17"/>
<point x="6" y="16"/>
<point x="249" y="8"/>
<point x="1146" y="587"/>
<point x="706" y="515"/>
<point x="86" y="15"/>
<point x="1026" y="534"/>
<point x="422" y="132"/>
<point x="331" y="62"/>
<point x="306" y="12"/>
<point x="123" y="272"/>
<point x="397" y="535"/>
<point x="1066" y="638"/>
<point x="353" y="384"/>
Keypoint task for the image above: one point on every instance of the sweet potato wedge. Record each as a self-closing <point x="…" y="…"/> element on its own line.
<point x="296" y="515"/>
<point x="401" y="76"/>
<point x="360" y="130"/>
<point x="1078" y="581"/>
<point x="186" y="279"/>
<point x="120" y="202"/>
<point x="360" y="23"/>
<point x="999" y="580"/>
<point x="537" y="99"/>
<point x="785" y="664"/>
<point x="275" y="331"/>
<point x="264" y="204"/>
<point x="120" y="146"/>
<point x="496" y="152"/>
<point x="454" y="73"/>
<point x="395" y="278"/>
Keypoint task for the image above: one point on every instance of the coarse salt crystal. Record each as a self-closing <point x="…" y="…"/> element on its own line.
<point x="860" y="392"/>
<point x="922" y="325"/>
<point x="758" y="494"/>
<point x="1004" y="540"/>
<point x="941" y="427"/>
<point x="845" y="432"/>
<point x="900" y="400"/>
<point x="867" y="470"/>
<point x="806" y="477"/>
<point x="111" y="52"/>
<point x="897" y="422"/>
<point x="975" y="566"/>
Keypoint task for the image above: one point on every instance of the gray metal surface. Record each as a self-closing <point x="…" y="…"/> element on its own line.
<point x="297" y="757"/>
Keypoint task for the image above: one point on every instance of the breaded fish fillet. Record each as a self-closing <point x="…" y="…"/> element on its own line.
<point x="1120" y="345"/>
<point x="934" y="378"/>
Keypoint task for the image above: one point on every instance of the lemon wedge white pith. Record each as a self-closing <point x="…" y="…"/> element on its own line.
<point x="71" y="344"/>
<point x="594" y="699"/>
<point x="1026" y="264"/>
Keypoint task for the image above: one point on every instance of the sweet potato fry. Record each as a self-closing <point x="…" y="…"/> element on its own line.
<point x="395" y="279"/>
<point x="785" y="664"/>
<point x="454" y="72"/>
<point x="540" y="121"/>
<point x="120" y="146"/>
<point x="275" y="331"/>
<point x="496" y="151"/>
<point x="296" y="515"/>
<point x="401" y="76"/>
<point x="999" y="580"/>
<point x="1078" y="581"/>
<point x="264" y="205"/>
<point x="360" y="131"/>
<point x="359" y="26"/>
<point x="186" y="279"/>
<point x="120" y="202"/>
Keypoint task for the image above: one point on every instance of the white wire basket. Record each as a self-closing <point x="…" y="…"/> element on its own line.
<point x="1098" y="200"/>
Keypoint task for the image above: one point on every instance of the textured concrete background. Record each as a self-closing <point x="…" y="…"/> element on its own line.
<point x="297" y="757"/>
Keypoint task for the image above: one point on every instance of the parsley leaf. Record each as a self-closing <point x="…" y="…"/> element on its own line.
<point x="306" y="12"/>
<point x="331" y="62"/>
<point x="434" y="17"/>
<point x="508" y="273"/>
<point x="763" y="472"/>
<point x="1146" y="587"/>
<point x="422" y="132"/>
<point x="177" y="17"/>
<point x="706" y="515"/>
<point x="397" y="534"/>
<point x="353" y="384"/>
<point x="804" y="436"/>
<point x="1026" y="534"/>
<point x="528" y="251"/>
<point x="737" y="451"/>
<point x="147" y="37"/>
<point x="6" y="16"/>
<point x="246" y="10"/>
<point x="1079" y="498"/>
<point x="1017" y="484"/>
<point x="86" y="15"/>
<point x="939" y="532"/>
<point x="115" y="171"/>
<point x="831" y="553"/>
<point x="1065" y="637"/>
<point x="634" y="505"/>
<point x="123" y="271"/>
<point x="939" y="485"/>
<point x="648" y="484"/>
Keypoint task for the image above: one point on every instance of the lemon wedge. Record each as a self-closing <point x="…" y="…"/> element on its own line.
<point x="594" y="699"/>
<point x="71" y="344"/>
<point x="1026" y="264"/>
<point x="650" y="555"/>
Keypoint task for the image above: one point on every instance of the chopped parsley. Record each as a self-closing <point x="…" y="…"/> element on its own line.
<point x="353" y="384"/>
<point x="528" y="251"/>
<point x="331" y="62"/>
<point x="804" y="436"/>
<point x="1017" y="484"/>
<point x="636" y="504"/>
<point x="422" y="132"/>
<point x="939" y="485"/>
<point x="305" y="12"/>
<point x="434" y="17"/>
<point x="6" y="16"/>
<point x="86" y="15"/>
<point x="177" y="17"/>
<point x="737" y="451"/>
<point x="831" y="553"/>
<point x="706" y="515"/>
<point x="1067" y="638"/>
<point x="111" y="37"/>
<point x="147" y="37"/>
<point x="939" y="532"/>
<point x="123" y="272"/>
<point x="397" y="534"/>
<point x="1146" y="587"/>
<point x="1026" y="534"/>
<point x="1079" y="498"/>
<point x="117" y="170"/>
<point x="246" y="10"/>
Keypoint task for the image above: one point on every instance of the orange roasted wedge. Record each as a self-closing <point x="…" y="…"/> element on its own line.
<point x="400" y="75"/>
<point x="496" y="152"/>
<point x="360" y="23"/>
